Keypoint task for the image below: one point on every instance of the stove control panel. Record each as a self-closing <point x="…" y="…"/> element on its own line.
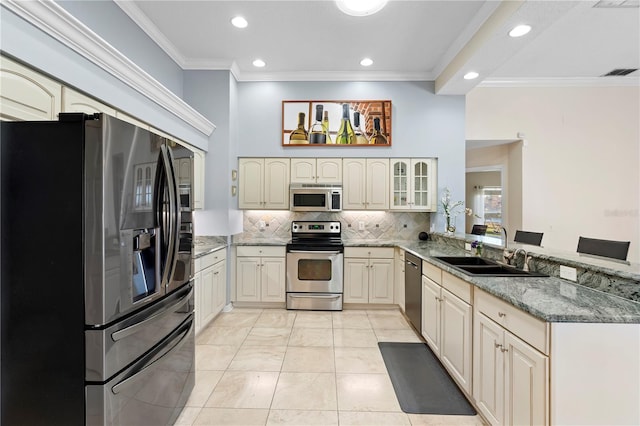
<point x="306" y="227"/>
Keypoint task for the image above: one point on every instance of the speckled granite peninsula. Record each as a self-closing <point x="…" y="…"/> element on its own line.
<point x="606" y="292"/>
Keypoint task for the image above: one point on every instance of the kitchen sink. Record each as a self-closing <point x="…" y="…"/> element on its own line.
<point x="480" y="266"/>
<point x="466" y="260"/>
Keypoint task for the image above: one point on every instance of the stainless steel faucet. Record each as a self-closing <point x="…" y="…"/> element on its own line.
<point x="506" y="253"/>
<point x="526" y="259"/>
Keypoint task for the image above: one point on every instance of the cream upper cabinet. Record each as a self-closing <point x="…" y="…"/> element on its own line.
<point x="27" y="95"/>
<point x="264" y="183"/>
<point x="413" y="184"/>
<point x="365" y="183"/>
<point x="316" y="170"/>
<point x="73" y="101"/>
<point x="198" y="178"/>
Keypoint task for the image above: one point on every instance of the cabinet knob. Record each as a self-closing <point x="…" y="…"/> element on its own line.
<point x="498" y="346"/>
<point x="502" y="314"/>
<point x="503" y="349"/>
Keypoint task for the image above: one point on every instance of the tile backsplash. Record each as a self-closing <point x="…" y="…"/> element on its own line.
<point x="377" y="224"/>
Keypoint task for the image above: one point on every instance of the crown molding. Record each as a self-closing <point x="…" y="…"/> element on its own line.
<point x="627" y="81"/>
<point x="59" y="24"/>
<point x="333" y="76"/>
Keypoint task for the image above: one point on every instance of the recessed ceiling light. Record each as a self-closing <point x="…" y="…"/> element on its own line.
<point x="259" y="63"/>
<point x="471" y="75"/>
<point x="366" y="62"/>
<point x="520" y="30"/>
<point x="360" y="7"/>
<point x="239" y="22"/>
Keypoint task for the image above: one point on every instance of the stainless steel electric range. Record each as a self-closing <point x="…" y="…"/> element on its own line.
<point x="315" y="266"/>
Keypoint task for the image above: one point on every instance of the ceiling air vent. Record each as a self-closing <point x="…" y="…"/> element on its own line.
<point x="619" y="72"/>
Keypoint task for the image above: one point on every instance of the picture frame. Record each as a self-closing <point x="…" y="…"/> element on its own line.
<point x="369" y="110"/>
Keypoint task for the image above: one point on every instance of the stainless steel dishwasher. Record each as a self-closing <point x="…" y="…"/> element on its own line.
<point x="413" y="290"/>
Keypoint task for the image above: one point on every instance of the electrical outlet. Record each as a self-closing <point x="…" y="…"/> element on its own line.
<point x="568" y="273"/>
<point x="361" y="226"/>
<point x="261" y="225"/>
<point x="467" y="246"/>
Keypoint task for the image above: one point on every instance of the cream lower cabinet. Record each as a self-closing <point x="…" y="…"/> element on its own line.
<point x="260" y="274"/>
<point x="210" y="281"/>
<point x="511" y="376"/>
<point x="368" y="275"/>
<point x="447" y="321"/>
<point x="398" y="283"/>
<point x="263" y="183"/>
<point x="27" y="95"/>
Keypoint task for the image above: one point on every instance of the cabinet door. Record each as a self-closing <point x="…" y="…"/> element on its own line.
<point x="219" y="286"/>
<point x="431" y="313"/>
<point x="197" y="286"/>
<point x="400" y="184"/>
<point x="183" y="167"/>
<point x="248" y="279"/>
<point x="198" y="179"/>
<point x="423" y="174"/>
<point x="488" y="368"/>
<point x="329" y="170"/>
<point x="276" y="183"/>
<point x="455" y="346"/>
<point x="73" y="101"/>
<point x="207" y="293"/>
<point x="399" y="284"/>
<point x="381" y="281"/>
<point x="377" y="189"/>
<point x="354" y="177"/>
<point x="526" y="383"/>
<point x="250" y="194"/>
<point x="272" y="271"/>
<point x="356" y="280"/>
<point x="303" y="170"/>
<point x="27" y="95"/>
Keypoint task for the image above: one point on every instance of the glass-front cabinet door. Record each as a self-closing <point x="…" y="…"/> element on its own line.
<point x="400" y="183"/>
<point x="414" y="185"/>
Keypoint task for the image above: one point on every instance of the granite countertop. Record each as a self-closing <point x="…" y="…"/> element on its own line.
<point x="547" y="298"/>
<point x="205" y="245"/>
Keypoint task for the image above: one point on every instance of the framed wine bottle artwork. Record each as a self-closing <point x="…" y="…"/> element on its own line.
<point x="336" y="123"/>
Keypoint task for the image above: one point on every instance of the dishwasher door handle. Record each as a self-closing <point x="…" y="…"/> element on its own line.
<point x="412" y="264"/>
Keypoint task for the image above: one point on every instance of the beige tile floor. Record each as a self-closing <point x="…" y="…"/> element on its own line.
<point x="279" y="367"/>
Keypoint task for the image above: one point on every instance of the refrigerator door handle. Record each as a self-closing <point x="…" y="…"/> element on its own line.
<point x="121" y="386"/>
<point x="168" y="224"/>
<point x="176" y="215"/>
<point x="132" y="329"/>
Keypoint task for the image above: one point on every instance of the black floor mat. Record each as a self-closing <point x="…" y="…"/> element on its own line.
<point x="421" y="383"/>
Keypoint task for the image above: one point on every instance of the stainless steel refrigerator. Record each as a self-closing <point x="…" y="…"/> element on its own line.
<point x="97" y="323"/>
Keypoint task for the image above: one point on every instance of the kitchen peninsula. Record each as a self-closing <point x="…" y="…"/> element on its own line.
<point x="560" y="342"/>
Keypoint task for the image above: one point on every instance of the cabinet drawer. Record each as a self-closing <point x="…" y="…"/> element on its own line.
<point x="528" y="328"/>
<point x="210" y="259"/>
<point x="432" y="272"/>
<point x="455" y="285"/>
<point x="369" y="252"/>
<point x="260" y="251"/>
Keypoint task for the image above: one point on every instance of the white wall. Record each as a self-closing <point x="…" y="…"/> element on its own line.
<point x="580" y="158"/>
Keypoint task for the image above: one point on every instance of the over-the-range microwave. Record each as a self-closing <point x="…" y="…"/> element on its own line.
<point x="307" y="197"/>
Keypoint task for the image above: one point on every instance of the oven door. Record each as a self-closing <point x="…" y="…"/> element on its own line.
<point x="312" y="271"/>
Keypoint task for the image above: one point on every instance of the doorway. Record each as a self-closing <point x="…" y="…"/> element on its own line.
<point x="486" y="197"/>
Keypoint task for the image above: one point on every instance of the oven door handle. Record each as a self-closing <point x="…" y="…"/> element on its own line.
<point x="315" y="296"/>
<point x="315" y="251"/>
